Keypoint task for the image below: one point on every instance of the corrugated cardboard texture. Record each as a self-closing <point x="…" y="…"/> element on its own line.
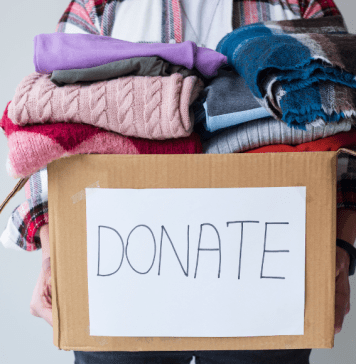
<point x="67" y="215"/>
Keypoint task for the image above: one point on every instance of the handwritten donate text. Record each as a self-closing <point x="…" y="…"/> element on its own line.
<point x="185" y="269"/>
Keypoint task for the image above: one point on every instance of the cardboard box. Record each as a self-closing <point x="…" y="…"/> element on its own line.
<point x="69" y="177"/>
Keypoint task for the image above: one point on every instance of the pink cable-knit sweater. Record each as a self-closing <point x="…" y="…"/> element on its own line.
<point x="143" y="107"/>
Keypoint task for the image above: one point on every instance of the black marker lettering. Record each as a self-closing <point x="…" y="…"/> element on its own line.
<point x="160" y="253"/>
<point x="242" y="231"/>
<point x="271" y="251"/>
<point x="122" y="242"/>
<point x="199" y="249"/>
<point x="154" y="254"/>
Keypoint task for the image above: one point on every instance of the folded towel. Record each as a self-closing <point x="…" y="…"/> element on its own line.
<point x="300" y="70"/>
<point x="143" y="107"/>
<point x="137" y="66"/>
<point x="33" y="147"/>
<point x="229" y="102"/>
<point x="269" y="131"/>
<point x="61" y="51"/>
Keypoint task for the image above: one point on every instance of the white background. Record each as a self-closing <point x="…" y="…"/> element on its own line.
<point x="24" y="338"/>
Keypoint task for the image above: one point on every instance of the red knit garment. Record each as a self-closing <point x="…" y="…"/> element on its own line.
<point x="331" y="143"/>
<point x="32" y="147"/>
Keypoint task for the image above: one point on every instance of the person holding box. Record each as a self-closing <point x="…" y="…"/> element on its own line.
<point x="205" y="23"/>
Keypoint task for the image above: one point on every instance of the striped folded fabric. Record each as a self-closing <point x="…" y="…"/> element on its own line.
<point x="32" y="147"/>
<point x="268" y="131"/>
<point x="300" y="70"/>
<point x="22" y="228"/>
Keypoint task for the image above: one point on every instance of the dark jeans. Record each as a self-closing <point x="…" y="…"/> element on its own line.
<point x="299" y="356"/>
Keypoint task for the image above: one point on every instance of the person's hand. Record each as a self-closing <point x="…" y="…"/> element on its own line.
<point x="342" y="288"/>
<point x="41" y="303"/>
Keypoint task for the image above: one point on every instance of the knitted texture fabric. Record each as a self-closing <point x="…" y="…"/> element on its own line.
<point x="143" y="107"/>
<point x="299" y="70"/>
<point x="268" y="131"/>
<point x="331" y="143"/>
<point x="32" y="147"/>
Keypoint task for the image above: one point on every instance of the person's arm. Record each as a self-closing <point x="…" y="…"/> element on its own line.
<point x="346" y="225"/>
<point x="22" y="230"/>
<point x="44" y="236"/>
<point x="41" y="302"/>
<point x="346" y="230"/>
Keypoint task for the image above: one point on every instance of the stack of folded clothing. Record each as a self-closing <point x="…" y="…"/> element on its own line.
<point x="95" y="94"/>
<point x="287" y="83"/>
<point x="278" y="86"/>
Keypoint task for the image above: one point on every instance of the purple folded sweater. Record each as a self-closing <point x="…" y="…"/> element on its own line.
<point x="61" y="51"/>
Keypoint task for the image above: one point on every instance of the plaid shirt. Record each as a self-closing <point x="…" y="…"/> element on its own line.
<point x="97" y="17"/>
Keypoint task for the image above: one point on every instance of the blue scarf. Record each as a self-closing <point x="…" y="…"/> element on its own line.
<point x="297" y="69"/>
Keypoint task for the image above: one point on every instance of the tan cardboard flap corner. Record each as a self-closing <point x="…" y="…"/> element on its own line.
<point x="68" y="178"/>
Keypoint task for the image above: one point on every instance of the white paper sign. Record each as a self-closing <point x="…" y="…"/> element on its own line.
<point x="220" y="262"/>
